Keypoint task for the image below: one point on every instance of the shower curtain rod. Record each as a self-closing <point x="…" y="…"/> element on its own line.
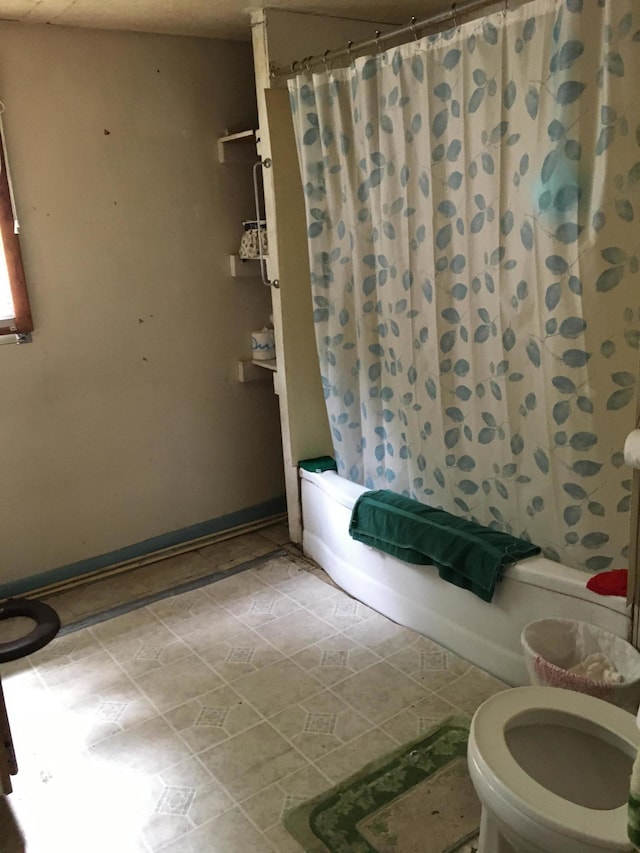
<point x="300" y="66"/>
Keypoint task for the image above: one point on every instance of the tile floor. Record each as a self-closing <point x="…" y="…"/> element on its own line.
<point x="191" y="724"/>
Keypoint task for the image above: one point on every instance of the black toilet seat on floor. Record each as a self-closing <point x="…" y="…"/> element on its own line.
<point x="47" y="626"/>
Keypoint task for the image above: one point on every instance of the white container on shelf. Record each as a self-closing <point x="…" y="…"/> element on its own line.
<point x="263" y="345"/>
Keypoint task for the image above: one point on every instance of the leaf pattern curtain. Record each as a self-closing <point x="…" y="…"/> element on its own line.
<point x="473" y="201"/>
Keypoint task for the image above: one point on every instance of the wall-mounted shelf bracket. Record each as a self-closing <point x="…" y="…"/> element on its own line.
<point x="244" y="267"/>
<point x="252" y="371"/>
<point x="237" y="147"/>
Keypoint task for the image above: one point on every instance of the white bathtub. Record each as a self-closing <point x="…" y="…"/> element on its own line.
<point x="415" y="596"/>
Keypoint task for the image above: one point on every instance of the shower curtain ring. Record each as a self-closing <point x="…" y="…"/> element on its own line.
<point x="293" y="65"/>
<point x="349" y="46"/>
<point x="378" y="34"/>
<point x="505" y="8"/>
<point x="325" y="59"/>
<point x="413" y="28"/>
<point x="453" y="16"/>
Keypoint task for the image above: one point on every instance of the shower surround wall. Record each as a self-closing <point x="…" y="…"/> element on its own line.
<point x="123" y="420"/>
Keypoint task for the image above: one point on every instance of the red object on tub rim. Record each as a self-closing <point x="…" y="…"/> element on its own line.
<point x="613" y="582"/>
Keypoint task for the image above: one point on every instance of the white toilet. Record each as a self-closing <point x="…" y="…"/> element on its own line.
<point x="551" y="768"/>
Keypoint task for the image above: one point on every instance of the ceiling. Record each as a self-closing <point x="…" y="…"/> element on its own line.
<point x="210" y="18"/>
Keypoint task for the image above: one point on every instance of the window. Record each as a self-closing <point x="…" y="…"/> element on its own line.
<point x="15" y="313"/>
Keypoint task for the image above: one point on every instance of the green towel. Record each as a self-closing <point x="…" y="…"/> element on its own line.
<point x="466" y="554"/>
<point x="319" y="464"/>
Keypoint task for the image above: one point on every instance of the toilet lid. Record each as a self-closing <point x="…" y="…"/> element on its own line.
<point x="487" y="735"/>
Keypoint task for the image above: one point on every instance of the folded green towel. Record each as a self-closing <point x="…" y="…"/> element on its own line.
<point x="465" y="553"/>
<point x="319" y="464"/>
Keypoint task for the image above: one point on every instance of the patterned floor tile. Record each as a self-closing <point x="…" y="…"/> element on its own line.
<point x="178" y="609"/>
<point x="345" y="760"/>
<point x="471" y="689"/>
<point x="430" y="664"/>
<point x="66" y="649"/>
<point x="200" y="632"/>
<point x="250" y="761"/>
<point x="334" y="659"/>
<point x="88" y="675"/>
<point x="134" y="624"/>
<point x="212" y="718"/>
<point x="317" y="572"/>
<point x="281" y="840"/>
<point x="276" y="687"/>
<point x="183" y="797"/>
<point x="341" y="611"/>
<point x="379" y="692"/>
<point x="235" y="588"/>
<point x="267" y="807"/>
<point x="240" y="655"/>
<point x="176" y="683"/>
<point x="149" y="747"/>
<point x="320" y="724"/>
<point x="381" y="635"/>
<point x="151" y="651"/>
<point x="105" y="713"/>
<point x="261" y="607"/>
<point x="306" y="589"/>
<point x="231" y="832"/>
<point x="281" y="570"/>
<point x="419" y="718"/>
<point x="295" y="631"/>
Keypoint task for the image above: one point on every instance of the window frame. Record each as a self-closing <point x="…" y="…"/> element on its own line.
<point x="22" y="322"/>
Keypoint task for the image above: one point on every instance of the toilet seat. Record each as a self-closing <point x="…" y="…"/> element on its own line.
<point x="499" y="769"/>
<point x="46" y="627"/>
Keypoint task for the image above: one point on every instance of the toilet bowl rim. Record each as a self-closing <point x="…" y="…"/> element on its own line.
<point x="499" y="769"/>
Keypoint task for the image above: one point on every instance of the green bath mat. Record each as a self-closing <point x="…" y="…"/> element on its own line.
<point x="417" y="799"/>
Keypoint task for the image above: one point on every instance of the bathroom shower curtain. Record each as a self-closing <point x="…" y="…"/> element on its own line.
<point x="473" y="210"/>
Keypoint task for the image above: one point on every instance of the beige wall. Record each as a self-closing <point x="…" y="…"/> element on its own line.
<point x="123" y="420"/>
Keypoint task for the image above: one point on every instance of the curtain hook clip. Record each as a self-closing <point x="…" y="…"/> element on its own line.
<point x="505" y="8"/>
<point x="412" y="26"/>
<point x="349" y="46"/>
<point x="378" y="34"/>
<point x="293" y="65"/>
<point x="453" y="16"/>
<point x="307" y="63"/>
<point x="325" y="59"/>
